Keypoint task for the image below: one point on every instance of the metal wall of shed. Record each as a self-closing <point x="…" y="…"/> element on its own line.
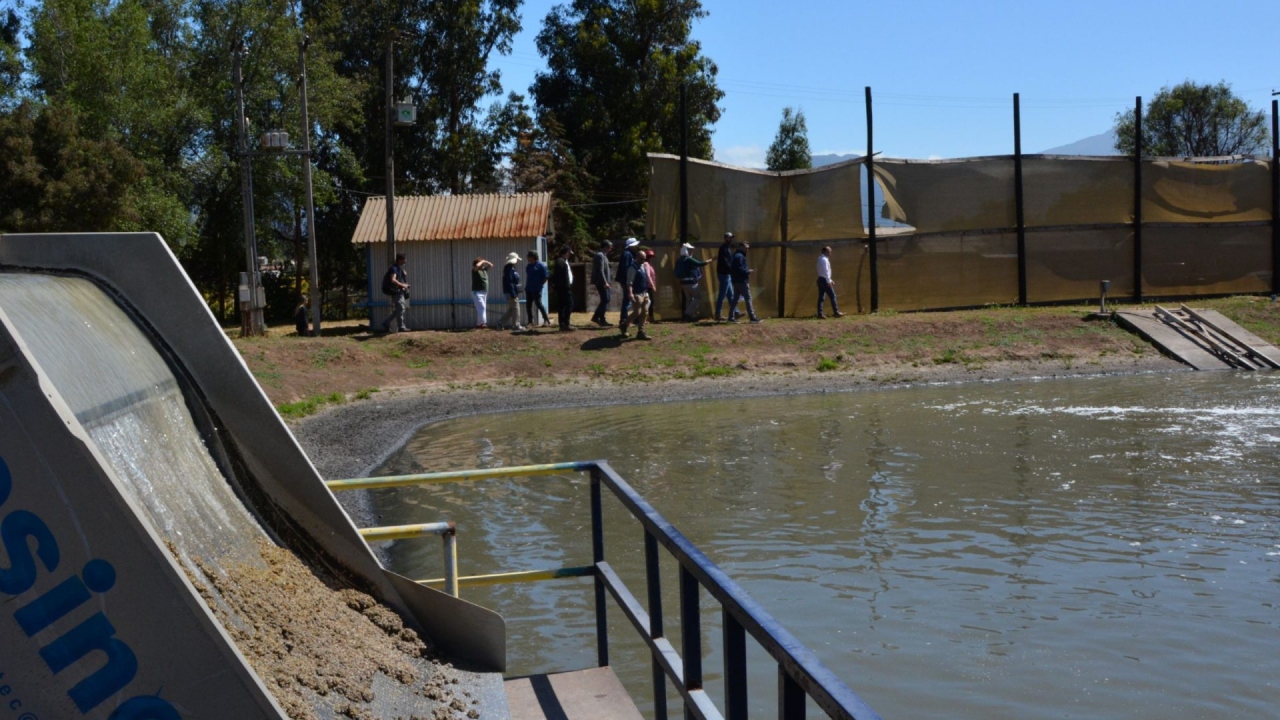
<point x="440" y="280"/>
<point x="452" y="217"/>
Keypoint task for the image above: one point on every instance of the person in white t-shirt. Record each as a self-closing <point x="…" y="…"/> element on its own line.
<point x="825" y="286"/>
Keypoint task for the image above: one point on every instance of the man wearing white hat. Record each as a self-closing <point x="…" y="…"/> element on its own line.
<point x="627" y="275"/>
<point x="689" y="272"/>
<point x="511" y="290"/>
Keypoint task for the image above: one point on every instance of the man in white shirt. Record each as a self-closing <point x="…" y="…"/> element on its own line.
<point x="825" y="288"/>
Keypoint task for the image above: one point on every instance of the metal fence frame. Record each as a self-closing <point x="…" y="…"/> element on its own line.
<point x="800" y="673"/>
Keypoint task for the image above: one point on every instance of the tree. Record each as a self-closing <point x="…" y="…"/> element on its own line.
<point x="10" y="57"/>
<point x="54" y="179"/>
<point x="790" y="148"/>
<point x="1192" y="120"/>
<point x="614" y="71"/>
<point x="120" y="67"/>
<point x="541" y="161"/>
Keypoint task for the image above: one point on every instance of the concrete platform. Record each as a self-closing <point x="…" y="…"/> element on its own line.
<point x="591" y="694"/>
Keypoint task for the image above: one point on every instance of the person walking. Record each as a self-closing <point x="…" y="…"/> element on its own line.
<point x="562" y="283"/>
<point x="395" y="284"/>
<point x="689" y="273"/>
<point x="602" y="277"/>
<point x="511" y="290"/>
<point x="480" y="290"/>
<point x="652" y="269"/>
<point x="825" y="286"/>
<point x="300" y="317"/>
<point x="535" y="278"/>
<point x="626" y="274"/>
<point x="741" y="273"/>
<point x="641" y="292"/>
<point x="724" y="258"/>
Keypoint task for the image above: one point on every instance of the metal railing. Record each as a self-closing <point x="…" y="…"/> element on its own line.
<point x="800" y="673"/>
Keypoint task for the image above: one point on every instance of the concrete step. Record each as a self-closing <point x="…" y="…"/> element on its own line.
<point x="591" y="694"/>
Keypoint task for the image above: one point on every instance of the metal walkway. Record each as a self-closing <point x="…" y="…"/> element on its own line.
<point x="1203" y="339"/>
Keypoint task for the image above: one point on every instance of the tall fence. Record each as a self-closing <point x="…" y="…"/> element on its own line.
<point x="1014" y="229"/>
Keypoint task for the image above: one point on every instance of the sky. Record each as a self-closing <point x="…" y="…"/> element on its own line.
<point x="943" y="72"/>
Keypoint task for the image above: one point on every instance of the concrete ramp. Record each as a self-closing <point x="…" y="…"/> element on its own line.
<point x="169" y="550"/>
<point x="1203" y="339"/>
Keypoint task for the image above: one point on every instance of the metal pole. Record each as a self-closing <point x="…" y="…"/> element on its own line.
<point x="871" y="210"/>
<point x="654" y="577"/>
<point x="735" y="667"/>
<point x="684" y="165"/>
<point x="311" y="204"/>
<point x="1275" y="199"/>
<point x="391" y="164"/>
<point x="1137" y="199"/>
<point x="597" y="557"/>
<point x="250" y="319"/>
<point x="1017" y="200"/>
<point x="782" y="268"/>
<point x="690" y="635"/>
<point x="451" y="563"/>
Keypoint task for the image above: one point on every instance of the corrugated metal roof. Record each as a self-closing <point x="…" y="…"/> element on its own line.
<point x="456" y="217"/>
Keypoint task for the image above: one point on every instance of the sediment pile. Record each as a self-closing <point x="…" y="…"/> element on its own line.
<point x="315" y="643"/>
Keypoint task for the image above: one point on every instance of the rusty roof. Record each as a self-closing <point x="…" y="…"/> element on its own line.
<point x="456" y="217"/>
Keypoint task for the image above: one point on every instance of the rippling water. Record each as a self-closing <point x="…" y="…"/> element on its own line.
<point x="1094" y="547"/>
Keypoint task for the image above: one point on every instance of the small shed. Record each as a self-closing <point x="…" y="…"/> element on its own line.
<point x="440" y="236"/>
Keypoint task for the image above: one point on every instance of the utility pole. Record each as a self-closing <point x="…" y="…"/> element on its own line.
<point x="306" y="176"/>
<point x="391" y="164"/>
<point x="251" y="322"/>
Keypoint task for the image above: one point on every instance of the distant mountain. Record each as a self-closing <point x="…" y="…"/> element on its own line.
<point x="1102" y="144"/>
<point x="820" y="160"/>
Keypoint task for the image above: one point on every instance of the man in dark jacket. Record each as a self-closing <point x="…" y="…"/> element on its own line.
<point x="741" y="274"/>
<point x="724" y="258"/>
<point x="535" y="278"/>
<point x="511" y="291"/>
<point x="562" y="284"/>
<point x="395" y="284"/>
<point x="601" y="277"/>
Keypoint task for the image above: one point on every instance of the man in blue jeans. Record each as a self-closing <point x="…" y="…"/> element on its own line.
<point x="723" y="261"/>
<point x="741" y="272"/>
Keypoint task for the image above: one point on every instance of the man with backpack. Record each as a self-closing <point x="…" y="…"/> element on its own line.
<point x="689" y="273"/>
<point x="395" y="284"/>
<point x="641" y="285"/>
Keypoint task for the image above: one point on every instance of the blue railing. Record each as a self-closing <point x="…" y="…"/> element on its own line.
<point x="800" y="673"/>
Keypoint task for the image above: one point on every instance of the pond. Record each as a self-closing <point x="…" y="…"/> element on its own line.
<point x="1088" y="547"/>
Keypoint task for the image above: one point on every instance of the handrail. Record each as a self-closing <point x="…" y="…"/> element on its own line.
<point x="448" y="531"/>
<point x="800" y="672"/>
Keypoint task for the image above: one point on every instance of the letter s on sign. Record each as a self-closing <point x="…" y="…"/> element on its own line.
<point x="14" y="531"/>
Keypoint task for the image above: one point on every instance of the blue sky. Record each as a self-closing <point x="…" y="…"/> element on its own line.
<point x="943" y="73"/>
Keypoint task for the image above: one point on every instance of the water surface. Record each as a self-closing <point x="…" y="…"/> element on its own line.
<point x="1092" y="547"/>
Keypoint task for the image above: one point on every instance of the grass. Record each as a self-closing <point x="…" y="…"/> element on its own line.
<point x="826" y="364"/>
<point x="310" y="406"/>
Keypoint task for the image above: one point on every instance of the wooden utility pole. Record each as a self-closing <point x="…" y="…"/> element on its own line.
<point x="251" y="322"/>
<point x="391" y="164"/>
<point x="306" y="177"/>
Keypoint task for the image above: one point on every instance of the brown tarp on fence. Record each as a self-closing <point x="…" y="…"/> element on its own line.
<point x="1206" y="229"/>
<point x="1193" y="193"/>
